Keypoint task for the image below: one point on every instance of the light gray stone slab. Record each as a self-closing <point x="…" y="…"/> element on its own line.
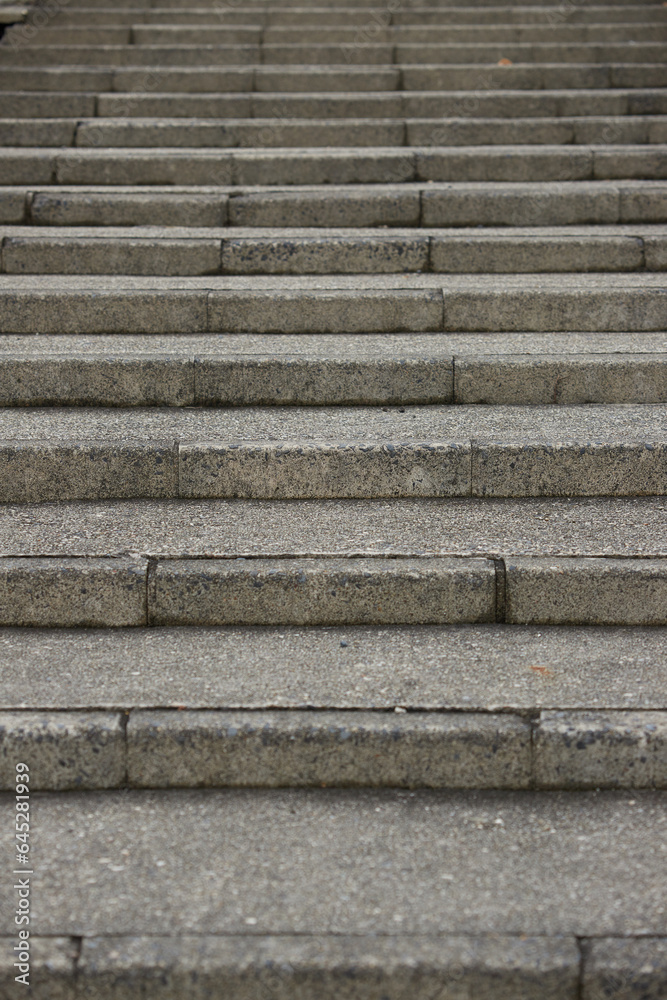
<point x="324" y="470"/>
<point x="304" y="255"/>
<point x="586" y="591"/>
<point x="270" y="132"/>
<point x="100" y="312"/>
<point x="63" y="750"/>
<point x="516" y="254"/>
<point x="509" y="163"/>
<point x="72" y="78"/>
<point x="352" y="862"/>
<point x="16" y="131"/>
<point x="71" y="470"/>
<point x="12" y="206"/>
<point x="136" y="166"/>
<point x="321" y="592"/>
<point x="561" y="379"/>
<point x="129" y="208"/>
<point x="326" y="312"/>
<point x="26" y="166"/>
<point x="46" y="255"/>
<point x="601" y="750"/>
<point x="568" y="468"/>
<point x="367" y="207"/>
<point x="283" y="749"/>
<point x="289" y="380"/>
<point x="636" y="309"/>
<point x="73" y="592"/>
<point x="27" y="104"/>
<point x="106" y="380"/>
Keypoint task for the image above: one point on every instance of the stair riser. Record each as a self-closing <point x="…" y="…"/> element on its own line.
<point x="308" y="79"/>
<point x="535" y="968"/>
<point x="281" y="133"/>
<point x="560" y="164"/>
<point x="99" y="471"/>
<point x="369" y="311"/>
<point x="319" y="16"/>
<point x="226" y="35"/>
<point x="543" y="205"/>
<point x="190" y="749"/>
<point x="330" y="255"/>
<point x="353" y="52"/>
<point x="104" y="593"/>
<point x="190" y="381"/>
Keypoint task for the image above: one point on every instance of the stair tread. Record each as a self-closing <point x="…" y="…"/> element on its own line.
<point x="481" y="668"/>
<point x="202" y="862"/>
<point x="555" y="526"/>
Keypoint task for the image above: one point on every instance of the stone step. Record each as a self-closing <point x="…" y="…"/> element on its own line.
<point x="379" y="303"/>
<point x="216" y="562"/>
<point x="283" y="133"/>
<point x="361" y="890"/>
<point x="389" y="370"/>
<point x="408" y="204"/>
<point x="533" y="967"/>
<point x="93" y="592"/>
<point x="310" y="79"/>
<point x="315" y="33"/>
<point x="313" y="452"/>
<point x="334" y="53"/>
<point x="342" y="165"/>
<point x="341" y="15"/>
<point x="390" y="104"/>
<point x="180" y="748"/>
<point x="170" y="251"/>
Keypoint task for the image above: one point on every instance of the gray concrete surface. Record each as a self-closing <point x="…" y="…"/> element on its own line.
<point x="300" y="205"/>
<point x="489" y="668"/>
<point x="323" y="861"/>
<point x="616" y="527"/>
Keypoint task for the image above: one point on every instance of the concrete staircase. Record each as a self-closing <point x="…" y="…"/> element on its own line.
<point x="333" y="537"/>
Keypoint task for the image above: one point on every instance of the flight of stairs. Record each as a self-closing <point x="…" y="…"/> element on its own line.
<point x="333" y="514"/>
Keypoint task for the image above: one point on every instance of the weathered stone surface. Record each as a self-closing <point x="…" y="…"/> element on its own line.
<point x="331" y="966"/>
<point x="64" y="750"/>
<point x="601" y="749"/>
<point x="476" y="668"/>
<point x="625" y="969"/>
<point x="347" y="862"/>
<point x="312" y="469"/>
<point x="587" y="591"/>
<point x="273" y="749"/>
<point x="321" y="592"/>
<point x="72" y="592"/>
